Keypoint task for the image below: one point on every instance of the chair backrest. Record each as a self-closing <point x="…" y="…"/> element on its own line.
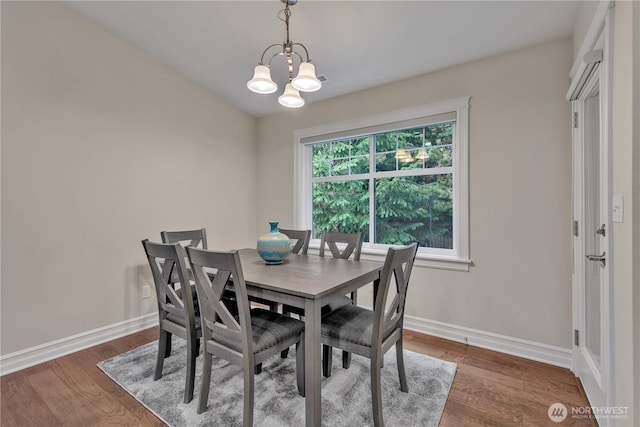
<point x="196" y="238"/>
<point x="398" y="264"/>
<point x="299" y="240"/>
<point x="217" y="321"/>
<point x="352" y="240"/>
<point x="168" y="268"/>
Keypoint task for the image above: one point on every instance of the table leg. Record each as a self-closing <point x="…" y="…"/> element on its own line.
<point x="313" y="378"/>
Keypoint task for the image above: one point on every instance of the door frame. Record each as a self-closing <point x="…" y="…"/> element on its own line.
<point x="599" y="39"/>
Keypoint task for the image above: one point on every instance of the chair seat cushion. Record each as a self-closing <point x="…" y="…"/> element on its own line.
<point x="352" y="324"/>
<point x="268" y="328"/>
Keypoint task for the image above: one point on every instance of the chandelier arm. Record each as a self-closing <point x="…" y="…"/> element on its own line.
<point x="293" y="52"/>
<point x="306" y="52"/>
<point x="300" y="56"/>
<point x="266" y="50"/>
<point x="274" y="55"/>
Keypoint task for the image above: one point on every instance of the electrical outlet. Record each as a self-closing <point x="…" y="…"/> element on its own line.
<point x="146" y="291"/>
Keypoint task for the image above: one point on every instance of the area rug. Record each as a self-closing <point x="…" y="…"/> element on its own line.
<point x="346" y="395"/>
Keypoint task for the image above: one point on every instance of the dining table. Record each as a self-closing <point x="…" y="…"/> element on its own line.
<point x="308" y="282"/>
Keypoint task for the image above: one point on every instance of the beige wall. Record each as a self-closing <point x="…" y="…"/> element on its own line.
<point x="102" y="146"/>
<point x="520" y="189"/>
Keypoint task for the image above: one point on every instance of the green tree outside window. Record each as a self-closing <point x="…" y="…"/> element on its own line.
<point x="411" y="201"/>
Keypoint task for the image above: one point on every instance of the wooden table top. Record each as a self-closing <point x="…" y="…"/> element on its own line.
<point x="306" y="276"/>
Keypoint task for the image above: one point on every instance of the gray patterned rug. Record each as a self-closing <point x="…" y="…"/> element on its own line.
<point x="346" y="396"/>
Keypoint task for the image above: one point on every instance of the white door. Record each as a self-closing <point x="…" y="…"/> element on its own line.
<point x="592" y="357"/>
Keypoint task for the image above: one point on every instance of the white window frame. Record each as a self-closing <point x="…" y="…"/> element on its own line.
<point x="457" y="259"/>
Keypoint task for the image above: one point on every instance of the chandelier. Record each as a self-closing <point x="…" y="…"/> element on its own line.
<point x="305" y="81"/>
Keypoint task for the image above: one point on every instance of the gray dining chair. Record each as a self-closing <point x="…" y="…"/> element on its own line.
<point x="198" y="239"/>
<point x="176" y="311"/>
<point x="299" y="240"/>
<point x="331" y="240"/>
<point x="195" y="238"/>
<point x="372" y="333"/>
<point x="246" y="339"/>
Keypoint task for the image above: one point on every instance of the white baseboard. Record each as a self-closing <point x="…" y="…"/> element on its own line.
<point x="557" y="356"/>
<point x="545" y="353"/>
<point x="42" y="353"/>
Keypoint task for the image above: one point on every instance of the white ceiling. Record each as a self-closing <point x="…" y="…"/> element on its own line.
<point x="356" y="44"/>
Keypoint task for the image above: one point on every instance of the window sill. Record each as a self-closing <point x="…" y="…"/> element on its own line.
<point x="441" y="262"/>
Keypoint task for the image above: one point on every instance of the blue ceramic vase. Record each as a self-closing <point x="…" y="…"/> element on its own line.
<point x="273" y="247"/>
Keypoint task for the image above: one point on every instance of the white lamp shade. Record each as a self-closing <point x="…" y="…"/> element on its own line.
<point x="291" y="97"/>
<point x="261" y="81"/>
<point x="306" y="80"/>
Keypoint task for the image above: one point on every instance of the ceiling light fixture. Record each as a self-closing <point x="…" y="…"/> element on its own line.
<point x="305" y="81"/>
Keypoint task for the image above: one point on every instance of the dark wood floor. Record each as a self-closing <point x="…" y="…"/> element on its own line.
<point x="489" y="389"/>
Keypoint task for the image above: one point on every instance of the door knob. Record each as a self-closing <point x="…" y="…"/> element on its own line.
<point x="602" y="258"/>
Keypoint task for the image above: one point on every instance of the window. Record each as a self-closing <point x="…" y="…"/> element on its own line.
<point x="398" y="178"/>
